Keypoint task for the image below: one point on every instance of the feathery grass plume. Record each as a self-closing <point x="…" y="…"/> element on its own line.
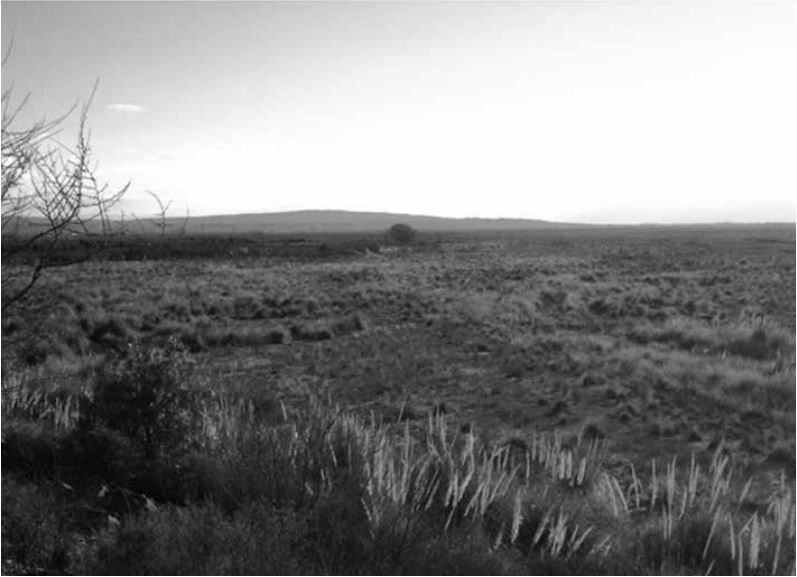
<point x="373" y="497"/>
<point x="31" y="394"/>
<point x="699" y="522"/>
<point x="576" y="467"/>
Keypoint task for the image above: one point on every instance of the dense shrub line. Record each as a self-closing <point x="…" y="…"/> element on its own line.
<point x="134" y="246"/>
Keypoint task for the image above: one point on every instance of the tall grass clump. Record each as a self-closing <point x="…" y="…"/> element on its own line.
<point x="135" y="424"/>
<point x="375" y="496"/>
<point x="697" y="521"/>
<point x="752" y="339"/>
<point x="211" y="484"/>
<point x="28" y="394"/>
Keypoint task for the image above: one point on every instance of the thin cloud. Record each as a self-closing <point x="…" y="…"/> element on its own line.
<point x="126" y="108"/>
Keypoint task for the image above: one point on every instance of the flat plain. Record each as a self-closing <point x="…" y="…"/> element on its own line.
<point x="660" y="340"/>
<point x="658" y="343"/>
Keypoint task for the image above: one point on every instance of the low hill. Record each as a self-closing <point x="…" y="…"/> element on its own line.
<point x="350" y="222"/>
<point x="333" y="221"/>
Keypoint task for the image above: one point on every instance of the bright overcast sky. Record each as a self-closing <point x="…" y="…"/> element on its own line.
<point x="591" y="111"/>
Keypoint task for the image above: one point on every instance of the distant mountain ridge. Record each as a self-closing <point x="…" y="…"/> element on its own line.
<point x="331" y="221"/>
<point x="343" y="221"/>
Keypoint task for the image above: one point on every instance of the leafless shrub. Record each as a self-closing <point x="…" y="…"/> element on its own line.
<point x="161" y="220"/>
<point x="50" y="194"/>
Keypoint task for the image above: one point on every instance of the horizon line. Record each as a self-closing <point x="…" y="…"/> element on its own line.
<point x="471" y="217"/>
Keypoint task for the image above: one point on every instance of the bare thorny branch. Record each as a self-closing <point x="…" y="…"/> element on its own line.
<point x="50" y="192"/>
<point x="163" y="209"/>
<point x="161" y="221"/>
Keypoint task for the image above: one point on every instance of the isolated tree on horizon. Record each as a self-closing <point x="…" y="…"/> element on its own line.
<point x="401" y="233"/>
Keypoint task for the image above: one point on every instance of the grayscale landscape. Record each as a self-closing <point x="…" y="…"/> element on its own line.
<point x="398" y="288"/>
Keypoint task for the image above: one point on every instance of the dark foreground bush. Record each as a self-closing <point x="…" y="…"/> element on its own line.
<point x="36" y="529"/>
<point x="148" y="397"/>
<point x="203" y="540"/>
<point x="262" y="540"/>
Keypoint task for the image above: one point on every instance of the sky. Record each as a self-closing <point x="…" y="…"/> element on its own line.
<point x="600" y="111"/>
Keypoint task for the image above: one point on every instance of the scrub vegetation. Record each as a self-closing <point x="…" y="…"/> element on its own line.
<point x="574" y="401"/>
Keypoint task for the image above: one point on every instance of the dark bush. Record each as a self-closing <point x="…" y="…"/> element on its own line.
<point x="11" y="325"/>
<point x="100" y="452"/>
<point x="761" y="344"/>
<point x="202" y="540"/>
<point x="35" y="535"/>
<point x="278" y="336"/>
<point x="36" y="352"/>
<point x="402" y="234"/>
<point x="29" y="447"/>
<point x="350" y="324"/>
<point x="311" y="332"/>
<point x="148" y="398"/>
<point x="111" y="331"/>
